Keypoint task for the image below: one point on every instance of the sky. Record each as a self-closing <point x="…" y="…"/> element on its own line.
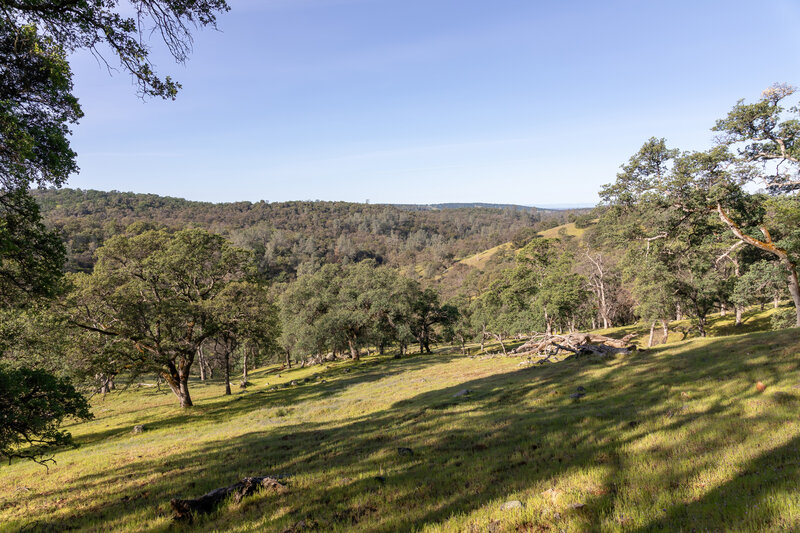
<point x="429" y="101"/>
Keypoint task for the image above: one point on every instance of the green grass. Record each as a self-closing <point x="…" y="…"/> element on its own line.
<point x="674" y="438"/>
<point x="567" y="229"/>
<point x="480" y="259"/>
<point x="754" y="320"/>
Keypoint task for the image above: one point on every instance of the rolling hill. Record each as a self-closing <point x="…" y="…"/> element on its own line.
<point x="674" y="438"/>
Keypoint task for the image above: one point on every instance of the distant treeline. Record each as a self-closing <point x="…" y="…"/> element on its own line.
<point x="287" y="235"/>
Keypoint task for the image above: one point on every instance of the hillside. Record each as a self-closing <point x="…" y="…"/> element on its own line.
<point x="675" y="437"/>
<point x="286" y="235"/>
<point x="480" y="259"/>
<point x="466" y="205"/>
<point x="569" y="230"/>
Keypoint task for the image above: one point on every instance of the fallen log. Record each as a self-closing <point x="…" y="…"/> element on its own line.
<point x="577" y="343"/>
<point x="184" y="510"/>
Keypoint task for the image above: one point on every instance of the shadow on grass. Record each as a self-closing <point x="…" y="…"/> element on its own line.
<point x="514" y="435"/>
<point x="742" y="503"/>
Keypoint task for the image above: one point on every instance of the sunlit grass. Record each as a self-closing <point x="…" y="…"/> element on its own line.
<point x="480" y="259"/>
<point x="569" y="230"/>
<point x="754" y="319"/>
<point x="673" y="438"/>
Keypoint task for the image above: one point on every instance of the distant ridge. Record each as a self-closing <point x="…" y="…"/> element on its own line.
<point x="468" y="205"/>
<point x="158" y="200"/>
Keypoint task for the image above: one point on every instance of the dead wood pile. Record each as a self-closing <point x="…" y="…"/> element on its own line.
<point x="576" y="343"/>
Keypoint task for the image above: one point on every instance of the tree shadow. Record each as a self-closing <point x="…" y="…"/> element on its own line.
<point x="514" y="435"/>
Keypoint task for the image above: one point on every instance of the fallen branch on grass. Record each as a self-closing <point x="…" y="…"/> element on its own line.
<point x="186" y="509"/>
<point x="577" y="343"/>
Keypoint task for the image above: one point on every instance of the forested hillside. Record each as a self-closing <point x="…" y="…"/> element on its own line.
<point x="287" y="235"/>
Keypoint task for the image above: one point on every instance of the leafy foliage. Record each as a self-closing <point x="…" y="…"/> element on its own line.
<point x="292" y="237"/>
<point x="33" y="404"/>
<point x="93" y="25"/>
<point x="154" y="297"/>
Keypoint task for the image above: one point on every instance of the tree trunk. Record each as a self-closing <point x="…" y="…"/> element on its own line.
<point x="678" y="311"/>
<point x="106" y="383"/>
<point x="244" y="369"/>
<point x="738" y="315"/>
<point x="178" y="382"/>
<point x="185" y="398"/>
<point x="353" y="349"/>
<point x="288" y="359"/>
<point x="503" y="346"/>
<point x="201" y="358"/>
<point x="381" y="348"/>
<point x="701" y="325"/>
<point x="665" y="330"/>
<point x="652" y="334"/>
<point x="768" y="246"/>
<point x="209" y="369"/>
<point x="777" y="300"/>
<point x="723" y="310"/>
<point x="227" y="373"/>
<point x="794" y="290"/>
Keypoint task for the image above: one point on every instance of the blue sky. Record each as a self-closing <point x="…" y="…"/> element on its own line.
<point x="425" y="101"/>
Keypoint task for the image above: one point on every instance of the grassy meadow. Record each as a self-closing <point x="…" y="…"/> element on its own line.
<point x="675" y="438"/>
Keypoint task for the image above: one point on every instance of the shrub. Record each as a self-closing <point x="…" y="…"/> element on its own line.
<point x="783" y="319"/>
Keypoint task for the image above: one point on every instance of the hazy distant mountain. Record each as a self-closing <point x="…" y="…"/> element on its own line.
<point x="515" y="207"/>
<point x="467" y="205"/>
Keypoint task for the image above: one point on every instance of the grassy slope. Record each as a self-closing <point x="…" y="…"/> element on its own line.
<point x="753" y="320"/>
<point x="670" y="438"/>
<point x="480" y="259"/>
<point x="568" y="229"/>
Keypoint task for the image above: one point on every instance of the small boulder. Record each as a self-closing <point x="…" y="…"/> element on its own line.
<point x="405" y="451"/>
<point x="580" y="388"/>
<point x="577" y="395"/>
<point x="293" y="383"/>
<point x="461" y="393"/>
<point x="138" y="429"/>
<point x="512" y="504"/>
<point x="576" y="505"/>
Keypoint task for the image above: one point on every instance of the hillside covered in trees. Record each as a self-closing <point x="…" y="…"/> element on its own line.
<point x="287" y="235"/>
